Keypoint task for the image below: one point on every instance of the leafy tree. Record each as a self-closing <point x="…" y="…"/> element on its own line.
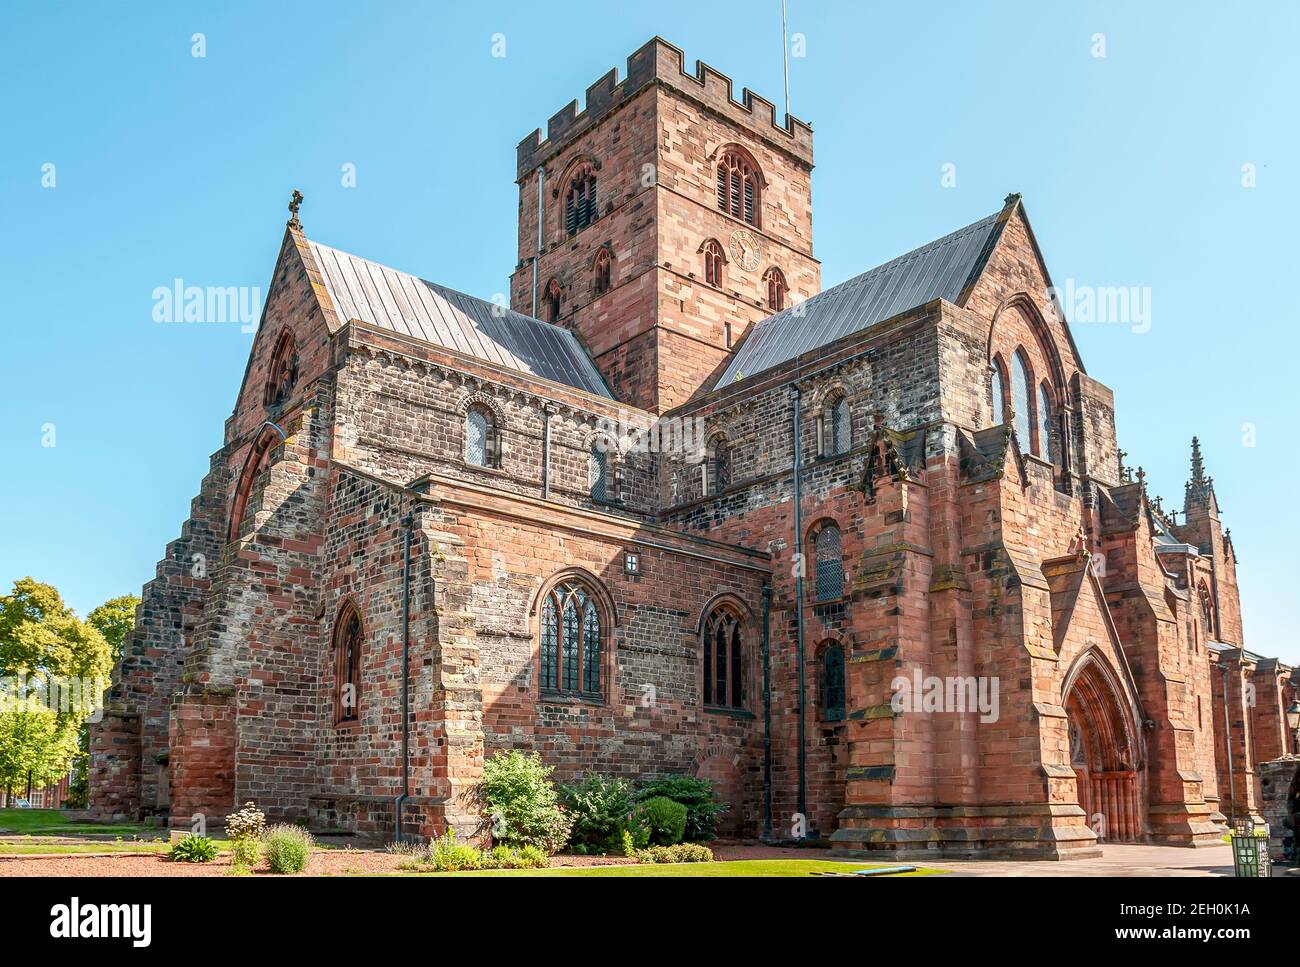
<point x="114" y="619"/>
<point x="42" y="641"/>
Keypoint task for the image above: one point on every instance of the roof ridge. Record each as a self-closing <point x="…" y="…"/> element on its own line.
<point x="941" y="267"/>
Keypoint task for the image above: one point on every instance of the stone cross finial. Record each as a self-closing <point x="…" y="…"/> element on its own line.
<point x="294" y="203"/>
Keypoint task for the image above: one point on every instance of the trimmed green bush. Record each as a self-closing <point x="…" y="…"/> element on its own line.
<point x="520" y="803"/>
<point x="702" y="807"/>
<point x="288" y="848"/>
<point x="680" y="853"/>
<point x="504" y="858"/>
<point x="448" y="856"/>
<point x="600" y="808"/>
<point x="193" y="849"/>
<point x="664" y="819"/>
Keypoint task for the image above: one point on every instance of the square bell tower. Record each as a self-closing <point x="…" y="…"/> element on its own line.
<point x="672" y="218"/>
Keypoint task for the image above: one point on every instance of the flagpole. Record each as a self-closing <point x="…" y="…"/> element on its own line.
<point x="785" y="62"/>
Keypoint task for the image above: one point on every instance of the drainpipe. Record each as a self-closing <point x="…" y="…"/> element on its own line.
<point x="767" y="714"/>
<point x="409" y="522"/>
<point x="538" y="254"/>
<point x="798" y="604"/>
<point x="1227" y="741"/>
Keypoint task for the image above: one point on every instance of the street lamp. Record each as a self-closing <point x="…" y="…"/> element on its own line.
<point x="1293" y="720"/>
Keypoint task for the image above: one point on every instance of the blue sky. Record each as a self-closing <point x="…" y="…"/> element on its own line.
<point x="172" y="166"/>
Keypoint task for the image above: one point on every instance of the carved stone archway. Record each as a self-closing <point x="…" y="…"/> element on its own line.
<point x="1104" y="751"/>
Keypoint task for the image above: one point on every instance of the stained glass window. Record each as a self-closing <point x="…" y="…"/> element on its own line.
<point x="999" y="395"/>
<point x="570" y="640"/>
<point x="1020" y="400"/>
<point x="1046" y="438"/>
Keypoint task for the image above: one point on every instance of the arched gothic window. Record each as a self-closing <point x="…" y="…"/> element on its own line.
<point x="832" y="683"/>
<point x="597" y="468"/>
<point x="999" y="393"/>
<point x="776" y="288"/>
<point x="553" y="301"/>
<point x="829" y="578"/>
<point x="724" y="659"/>
<point x="283" y="374"/>
<point x="348" y="638"/>
<point x="738" y="193"/>
<point x="714" y="259"/>
<point x="580" y="200"/>
<point x="571" y="640"/>
<point x="718" y="466"/>
<point x="482" y="437"/>
<point x="1021" y="400"/>
<point x="602" y="271"/>
<point x="1046" y="438"/>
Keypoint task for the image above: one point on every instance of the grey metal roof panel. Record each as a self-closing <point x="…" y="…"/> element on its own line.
<point x="940" y="269"/>
<point x="411" y="306"/>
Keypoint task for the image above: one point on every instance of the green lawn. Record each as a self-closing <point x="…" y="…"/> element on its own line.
<point x="54" y="822"/>
<point x="36" y="847"/>
<point x="724" y="868"/>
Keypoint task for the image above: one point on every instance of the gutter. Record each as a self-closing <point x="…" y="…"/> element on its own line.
<point x="409" y="522"/>
<point x="767" y="715"/>
<point x="798" y="604"/>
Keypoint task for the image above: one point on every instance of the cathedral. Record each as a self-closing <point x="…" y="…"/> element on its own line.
<point x="867" y="557"/>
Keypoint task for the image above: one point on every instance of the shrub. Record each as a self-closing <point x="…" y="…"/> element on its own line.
<point x="193" y="849"/>
<point x="288" y="848"/>
<point x="447" y="856"/>
<point x="702" y="807"/>
<point x="664" y="819"/>
<point x="680" y="853"/>
<point x="519" y="801"/>
<point x="504" y="858"/>
<point x="248" y="822"/>
<point x="600" y="808"/>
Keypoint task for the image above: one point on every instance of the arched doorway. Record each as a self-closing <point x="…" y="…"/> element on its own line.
<point x="1104" y="750"/>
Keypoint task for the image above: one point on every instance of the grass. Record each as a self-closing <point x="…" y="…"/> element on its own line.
<point x="744" y="868"/>
<point x="54" y="822"/>
<point x="74" y="849"/>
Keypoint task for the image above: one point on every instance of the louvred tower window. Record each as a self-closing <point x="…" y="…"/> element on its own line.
<point x="738" y="192"/>
<point x="580" y="201"/>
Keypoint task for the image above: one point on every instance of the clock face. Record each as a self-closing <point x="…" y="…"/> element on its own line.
<point x="744" y="249"/>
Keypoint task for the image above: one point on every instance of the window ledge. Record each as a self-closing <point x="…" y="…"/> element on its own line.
<point x="735" y="713"/>
<point x="553" y="696"/>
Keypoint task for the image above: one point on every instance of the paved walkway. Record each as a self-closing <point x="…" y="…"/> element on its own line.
<point x="1117" y="859"/>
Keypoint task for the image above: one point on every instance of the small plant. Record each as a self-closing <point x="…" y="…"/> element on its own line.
<point x="520" y="804"/>
<point x="680" y="853"/>
<point x="249" y="821"/>
<point x="702" y="807"/>
<point x="448" y="856"/>
<point x="245" y="829"/>
<point x="504" y="858"/>
<point x="193" y="848"/>
<point x="287" y="848"/>
<point x="665" y="819"/>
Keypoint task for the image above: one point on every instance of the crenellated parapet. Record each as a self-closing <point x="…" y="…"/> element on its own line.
<point x="659" y="62"/>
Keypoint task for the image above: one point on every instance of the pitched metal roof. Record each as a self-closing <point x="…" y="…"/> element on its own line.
<point x="402" y="303"/>
<point x="942" y="268"/>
